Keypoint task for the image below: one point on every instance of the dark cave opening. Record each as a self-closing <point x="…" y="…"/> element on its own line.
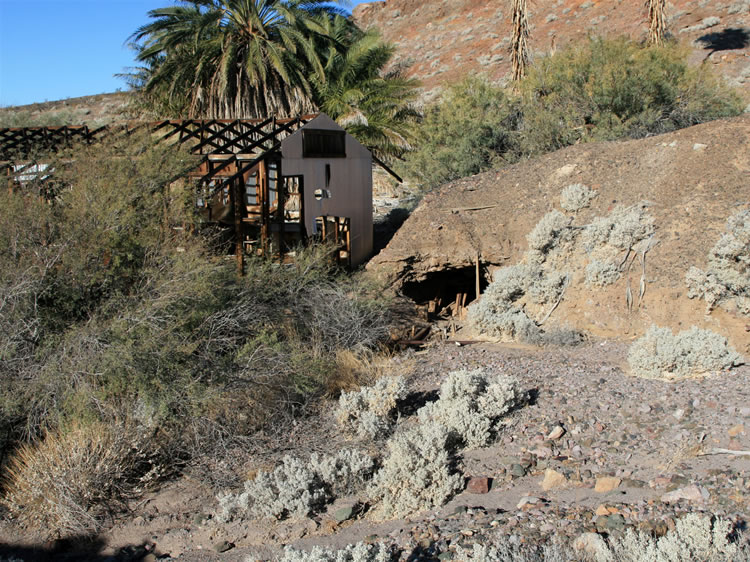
<point x="446" y="286"/>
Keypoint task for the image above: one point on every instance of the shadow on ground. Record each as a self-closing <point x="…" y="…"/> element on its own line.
<point x="728" y="39"/>
<point x="78" y="549"/>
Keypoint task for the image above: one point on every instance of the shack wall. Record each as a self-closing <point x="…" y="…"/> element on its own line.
<point x="349" y="191"/>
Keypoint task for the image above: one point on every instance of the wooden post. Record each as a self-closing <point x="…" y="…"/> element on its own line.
<point x="238" y="231"/>
<point x="477" y="287"/>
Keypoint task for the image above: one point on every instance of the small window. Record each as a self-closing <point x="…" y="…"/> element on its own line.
<point x="317" y="143"/>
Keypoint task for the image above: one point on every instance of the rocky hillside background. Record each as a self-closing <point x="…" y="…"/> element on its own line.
<point x="441" y="41"/>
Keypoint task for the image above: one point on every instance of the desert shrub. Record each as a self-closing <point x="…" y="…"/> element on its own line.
<point x="418" y="473"/>
<point x="499" y="312"/>
<point x="471" y="404"/>
<point x="662" y="354"/>
<point x="695" y="537"/>
<point x="472" y="128"/>
<point x="601" y="274"/>
<point x="607" y="89"/>
<point x="70" y="482"/>
<point x="621" y="229"/>
<point x="727" y="276"/>
<point x="551" y="231"/>
<point x="297" y="488"/>
<point x="359" y="552"/>
<point x="576" y="197"/>
<point x="369" y="411"/>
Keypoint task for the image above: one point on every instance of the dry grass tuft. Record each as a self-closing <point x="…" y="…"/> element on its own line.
<point x="70" y="482"/>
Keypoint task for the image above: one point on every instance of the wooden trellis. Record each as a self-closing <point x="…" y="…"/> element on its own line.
<point x="241" y="159"/>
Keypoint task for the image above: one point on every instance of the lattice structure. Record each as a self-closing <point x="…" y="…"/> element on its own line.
<point x="239" y="180"/>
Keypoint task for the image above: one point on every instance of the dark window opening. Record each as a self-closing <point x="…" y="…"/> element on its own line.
<point x="328" y="175"/>
<point x="317" y="143"/>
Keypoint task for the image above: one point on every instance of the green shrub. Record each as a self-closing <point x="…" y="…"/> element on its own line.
<point x="602" y="89"/>
<point x="609" y="89"/>
<point x="471" y="129"/>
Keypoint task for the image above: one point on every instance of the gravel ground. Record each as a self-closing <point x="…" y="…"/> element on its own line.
<point x="613" y="451"/>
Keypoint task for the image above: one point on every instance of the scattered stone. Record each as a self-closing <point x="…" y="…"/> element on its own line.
<point x="527" y="500"/>
<point x="615" y="522"/>
<point x="517" y="470"/>
<point x="699" y="146"/>
<point x="690" y="493"/>
<point x="478" y="485"/>
<point x="602" y="510"/>
<point x="606" y="484"/>
<point x="553" y="479"/>
<point x="223" y="546"/>
<point x="343" y="514"/>
<point x="736" y="430"/>
<point x="556" y="433"/>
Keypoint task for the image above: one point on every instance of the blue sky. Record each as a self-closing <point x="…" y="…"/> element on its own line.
<point x="57" y="49"/>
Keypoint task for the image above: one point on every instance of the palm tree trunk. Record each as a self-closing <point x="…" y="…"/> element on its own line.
<point x="519" y="47"/>
<point x="657" y="26"/>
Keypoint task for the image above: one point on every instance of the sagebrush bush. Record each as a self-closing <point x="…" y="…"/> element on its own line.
<point x="695" y="537"/>
<point x="552" y="231"/>
<point x="418" y="473"/>
<point x="576" y="197"/>
<point x="369" y="412"/>
<point x="727" y="275"/>
<point x="70" y="482"/>
<point x="471" y="404"/>
<point x="601" y="274"/>
<point x="500" y="311"/>
<point x="298" y="488"/>
<point x="359" y="552"/>
<point x="621" y="229"/>
<point x="662" y="354"/>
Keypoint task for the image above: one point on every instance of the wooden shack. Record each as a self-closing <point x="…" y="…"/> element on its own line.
<point x="295" y="181"/>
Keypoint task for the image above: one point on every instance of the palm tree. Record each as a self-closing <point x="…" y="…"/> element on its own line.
<point x="233" y="58"/>
<point x="657" y="26"/>
<point x="374" y="106"/>
<point x="519" y="47"/>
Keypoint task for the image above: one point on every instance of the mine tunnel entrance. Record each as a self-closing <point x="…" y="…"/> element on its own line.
<point x="448" y="291"/>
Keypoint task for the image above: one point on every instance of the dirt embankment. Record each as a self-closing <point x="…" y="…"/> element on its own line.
<point x="442" y="41"/>
<point x="693" y="179"/>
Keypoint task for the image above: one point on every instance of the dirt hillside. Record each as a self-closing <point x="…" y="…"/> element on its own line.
<point x="693" y="179"/>
<point x="441" y="41"/>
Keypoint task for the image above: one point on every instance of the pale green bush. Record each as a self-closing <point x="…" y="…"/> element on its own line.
<point x="576" y="197"/>
<point x="601" y="274"/>
<point x="297" y="488"/>
<point x="661" y="354"/>
<point x="419" y="472"/>
<point x="695" y="537"/>
<point x="727" y="276"/>
<point x="621" y="229"/>
<point x="551" y="232"/>
<point x="369" y="412"/>
<point x="359" y="552"/>
<point x="471" y="404"/>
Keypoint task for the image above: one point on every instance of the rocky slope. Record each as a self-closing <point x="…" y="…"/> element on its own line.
<point x="441" y="41"/>
<point x="693" y="179"/>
